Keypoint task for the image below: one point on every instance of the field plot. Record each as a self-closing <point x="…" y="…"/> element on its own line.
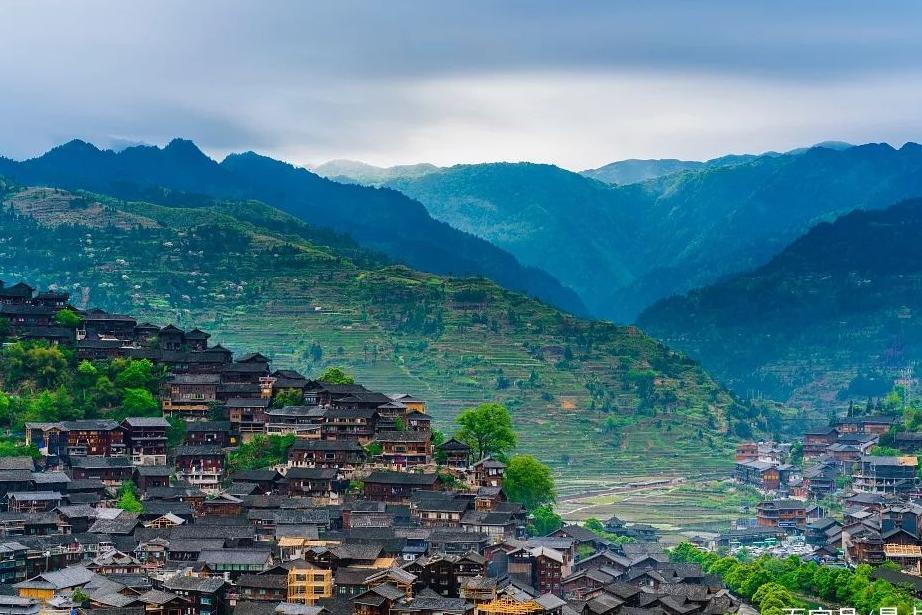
<point x="672" y="504"/>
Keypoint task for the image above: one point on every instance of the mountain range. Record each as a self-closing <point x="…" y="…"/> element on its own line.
<point x="609" y="398"/>
<point x="837" y="307"/>
<point x="622" y="248"/>
<point x="380" y="219"/>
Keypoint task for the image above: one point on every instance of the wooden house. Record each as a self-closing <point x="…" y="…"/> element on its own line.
<point x="146" y="439"/>
<point x="489" y="472"/>
<point x="398" y="486"/>
<point x="201" y="466"/>
<point x="190" y="395"/>
<point x="345" y="455"/>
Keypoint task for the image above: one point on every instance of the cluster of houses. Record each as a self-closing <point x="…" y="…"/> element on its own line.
<point x="879" y="521"/>
<point x="364" y="516"/>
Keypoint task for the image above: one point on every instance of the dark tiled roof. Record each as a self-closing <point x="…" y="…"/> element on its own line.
<point x="327" y="445"/>
<point x="402" y="478"/>
<point x="247" y="402"/>
<point x="91" y="462"/>
<point x="209" y="426"/>
<point x="147" y="421"/>
<point x="197" y="451"/>
<point x="311" y="473"/>
<point x="403" y="436"/>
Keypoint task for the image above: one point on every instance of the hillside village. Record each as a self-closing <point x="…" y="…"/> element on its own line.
<point x="845" y="494"/>
<point x="355" y="504"/>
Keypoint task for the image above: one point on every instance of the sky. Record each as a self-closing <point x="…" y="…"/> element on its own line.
<point x="577" y="84"/>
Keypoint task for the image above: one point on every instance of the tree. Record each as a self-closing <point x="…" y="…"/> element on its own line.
<point x="128" y="498"/>
<point x="4" y="328"/>
<point x="374" y="449"/>
<point x="137" y="375"/>
<point x="288" y="397"/>
<point x="104" y="391"/>
<point x="797" y="454"/>
<point x="79" y="597"/>
<point x="544" y="521"/>
<point x="487" y="429"/>
<point x="260" y="452"/>
<point x="438" y="438"/>
<point x="13" y="448"/>
<point x="68" y="318"/>
<point x="177" y="431"/>
<point x="139" y="402"/>
<point x="335" y="375"/>
<point x="528" y="482"/>
<point x="6" y="415"/>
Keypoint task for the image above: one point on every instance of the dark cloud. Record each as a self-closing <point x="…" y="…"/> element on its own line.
<point x="574" y="83"/>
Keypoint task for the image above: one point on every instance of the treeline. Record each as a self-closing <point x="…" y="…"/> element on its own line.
<point x="774" y="584"/>
<point x="47" y="383"/>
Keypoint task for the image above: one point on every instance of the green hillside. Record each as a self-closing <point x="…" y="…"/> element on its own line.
<point x="590" y="398"/>
<point x="832" y="318"/>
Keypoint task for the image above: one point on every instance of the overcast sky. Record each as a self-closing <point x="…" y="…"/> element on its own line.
<point x="577" y="84"/>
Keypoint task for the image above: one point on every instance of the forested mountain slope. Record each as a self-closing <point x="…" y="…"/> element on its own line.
<point x="591" y="398"/>
<point x="839" y="306"/>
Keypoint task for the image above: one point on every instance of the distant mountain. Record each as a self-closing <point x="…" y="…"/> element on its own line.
<point x="591" y="398"/>
<point x="380" y="219"/>
<point x="625" y="247"/>
<point x="541" y="213"/>
<point x="353" y="171"/>
<point x="839" y="304"/>
<point x="633" y="170"/>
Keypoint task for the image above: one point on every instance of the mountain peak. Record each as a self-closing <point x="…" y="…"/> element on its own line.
<point x="184" y="148"/>
<point x="74" y="147"/>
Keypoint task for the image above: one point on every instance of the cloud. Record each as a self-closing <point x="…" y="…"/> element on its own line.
<point x="578" y="84"/>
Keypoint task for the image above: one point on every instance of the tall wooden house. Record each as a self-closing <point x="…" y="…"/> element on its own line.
<point x="201" y="466"/>
<point x="146" y="439"/>
<point x="94" y="437"/>
<point x="190" y="396"/>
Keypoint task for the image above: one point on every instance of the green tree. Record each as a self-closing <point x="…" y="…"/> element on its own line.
<point x="86" y="374"/>
<point x="177" y="431"/>
<point x="260" y="452"/>
<point x="288" y="397"/>
<point x="528" y="482"/>
<point x="128" y="498"/>
<point x="6" y="410"/>
<point x="487" y="429"/>
<point x="544" y="521"/>
<point x="336" y="375"/>
<point x="139" y="402"/>
<point x="79" y="597"/>
<point x="104" y="391"/>
<point x="13" y="448"/>
<point x="68" y="318"/>
<point x="137" y="375"/>
<point x="797" y="454"/>
<point x="4" y="328"/>
<point x="374" y="449"/>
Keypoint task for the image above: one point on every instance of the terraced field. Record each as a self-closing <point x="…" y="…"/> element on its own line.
<point x="594" y="400"/>
<point x="703" y="503"/>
